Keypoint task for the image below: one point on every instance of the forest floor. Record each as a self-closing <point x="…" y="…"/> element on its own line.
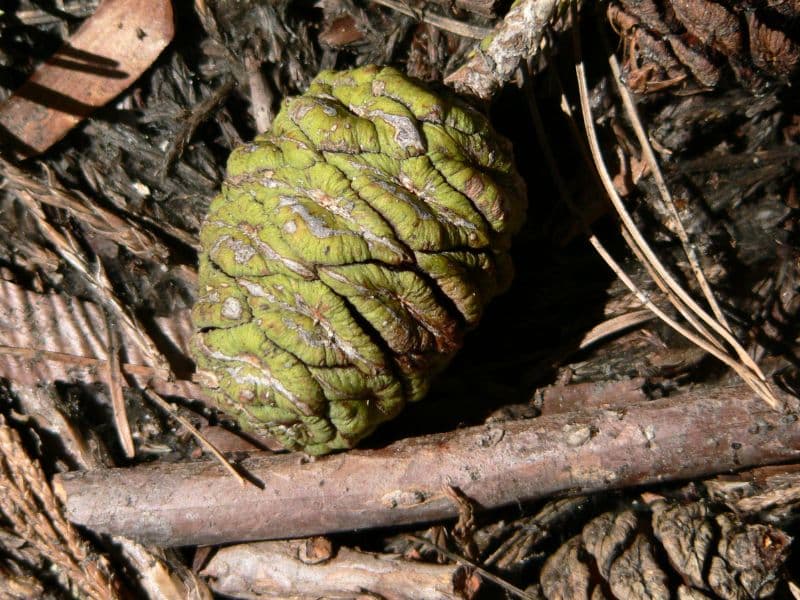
<point x="691" y="339"/>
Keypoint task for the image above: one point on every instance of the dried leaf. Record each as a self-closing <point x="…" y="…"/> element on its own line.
<point x="606" y="536"/>
<point x="564" y="576"/>
<point x="709" y="555"/>
<point x="687" y="535"/>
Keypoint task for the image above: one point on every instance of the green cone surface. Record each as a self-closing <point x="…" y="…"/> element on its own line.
<point x="349" y="250"/>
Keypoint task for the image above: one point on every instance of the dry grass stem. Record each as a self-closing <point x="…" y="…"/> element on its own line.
<point x="673" y="298"/>
<point x="68" y="250"/>
<point x="164" y="405"/>
<point x="663" y="189"/>
<point x="508" y="587"/>
<point x="466" y="30"/>
<point x="157" y="378"/>
<point x="36" y="16"/>
<point x="753" y="376"/>
<point x="105" y="223"/>
<point x="615" y="325"/>
<point x="115" y="388"/>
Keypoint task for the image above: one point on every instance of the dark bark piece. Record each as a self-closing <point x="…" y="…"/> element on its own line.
<point x="494" y="465"/>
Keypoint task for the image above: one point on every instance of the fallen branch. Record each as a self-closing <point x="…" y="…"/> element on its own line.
<point x="695" y="434"/>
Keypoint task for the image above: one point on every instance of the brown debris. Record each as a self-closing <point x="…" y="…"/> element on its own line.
<point x="711" y="23"/>
<point x="51" y="337"/>
<point x="28" y="503"/>
<point x="607" y="535"/>
<point x="518" y="37"/>
<point x="687" y="536"/>
<point x="748" y="560"/>
<point x="340" y="32"/>
<point x="89" y="71"/>
<point x="709" y="554"/>
<point x="635" y="573"/>
<point x="772" y="50"/>
<point x="727" y="151"/>
<point x="703" y="35"/>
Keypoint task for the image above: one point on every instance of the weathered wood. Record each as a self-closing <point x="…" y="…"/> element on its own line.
<point x="695" y="434"/>
<point x="280" y="570"/>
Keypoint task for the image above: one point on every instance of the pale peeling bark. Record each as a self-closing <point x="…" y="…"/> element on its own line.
<point x="282" y="570"/>
<point x="498" y="56"/>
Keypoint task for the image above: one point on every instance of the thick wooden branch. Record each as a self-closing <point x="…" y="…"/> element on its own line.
<point x="695" y="434"/>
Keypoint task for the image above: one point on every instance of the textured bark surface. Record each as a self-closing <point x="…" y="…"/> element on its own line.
<point x="497" y="58"/>
<point x="690" y="435"/>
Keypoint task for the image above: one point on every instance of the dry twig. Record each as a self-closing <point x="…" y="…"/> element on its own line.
<point x="261" y="569"/>
<point x="693" y="434"/>
<point x="163" y="405"/>
<point x="97" y="219"/>
<point x="444" y="23"/>
<point x="520" y="36"/>
<point x="97" y="279"/>
<point x="115" y="379"/>
<point x="508" y="587"/>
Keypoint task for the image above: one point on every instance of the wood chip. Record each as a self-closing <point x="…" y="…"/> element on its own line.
<point x="109" y="51"/>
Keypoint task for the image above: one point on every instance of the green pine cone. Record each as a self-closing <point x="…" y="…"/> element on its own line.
<point x="349" y="250"/>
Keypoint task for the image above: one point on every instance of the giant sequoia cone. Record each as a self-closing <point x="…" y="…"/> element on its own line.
<point x="350" y="248"/>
